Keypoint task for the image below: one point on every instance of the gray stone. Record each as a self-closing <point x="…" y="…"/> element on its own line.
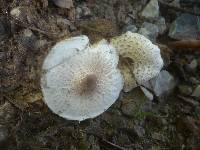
<point x="151" y="11"/>
<point x="86" y="11"/>
<point x="28" y="39"/>
<point x="131" y="28"/>
<point x="196" y="92"/>
<point x="78" y="12"/>
<point x="93" y="143"/>
<point x="161" y="85"/>
<point x="7" y="113"/>
<point x="158" y="136"/>
<point x="140" y="131"/>
<point x="147" y="93"/>
<point x="161" y="25"/>
<point x="184" y="27"/>
<point x="149" y="30"/>
<point x="185" y="89"/>
<point x="194" y="80"/>
<point x="192" y="66"/>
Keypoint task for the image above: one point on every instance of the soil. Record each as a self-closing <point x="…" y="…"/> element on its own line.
<point x="172" y="121"/>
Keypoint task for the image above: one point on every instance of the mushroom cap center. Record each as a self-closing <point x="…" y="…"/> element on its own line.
<point x="88" y="84"/>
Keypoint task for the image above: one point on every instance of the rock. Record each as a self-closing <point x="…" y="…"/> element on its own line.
<point x="185" y="89"/>
<point x="194" y="80"/>
<point x="149" y="30"/>
<point x="78" y="12"/>
<point x="186" y="26"/>
<point x="7" y="113"/>
<point x="28" y="39"/>
<point x="16" y="12"/>
<point x="86" y="11"/>
<point x="192" y="66"/>
<point x="161" y="85"/>
<point x="161" y="25"/>
<point x="158" y="136"/>
<point x="135" y="104"/>
<point x="93" y="143"/>
<point x="64" y="3"/>
<point x="151" y="11"/>
<point x="3" y="135"/>
<point x="196" y="92"/>
<point x="131" y="28"/>
<point x="128" y="20"/>
<point x="139" y="131"/>
<point x="147" y="93"/>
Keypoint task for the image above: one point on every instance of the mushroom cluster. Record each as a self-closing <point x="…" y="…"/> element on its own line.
<point x="81" y="81"/>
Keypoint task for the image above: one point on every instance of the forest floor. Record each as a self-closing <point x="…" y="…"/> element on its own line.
<point x="171" y="120"/>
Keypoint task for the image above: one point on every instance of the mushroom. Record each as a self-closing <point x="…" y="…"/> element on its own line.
<point x="81" y="81"/>
<point x="146" y="61"/>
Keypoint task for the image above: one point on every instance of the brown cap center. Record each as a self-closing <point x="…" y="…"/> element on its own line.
<point x="88" y="84"/>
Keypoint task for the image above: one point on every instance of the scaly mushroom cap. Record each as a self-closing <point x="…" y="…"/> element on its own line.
<point x="146" y="56"/>
<point x="81" y="84"/>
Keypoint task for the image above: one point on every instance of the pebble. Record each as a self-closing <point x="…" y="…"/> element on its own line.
<point x="7" y="113"/>
<point x="196" y="92"/>
<point x="194" y="80"/>
<point x="151" y="11"/>
<point x="185" y="89"/>
<point x="161" y="85"/>
<point x="186" y="26"/>
<point x="192" y="66"/>
<point x="149" y="30"/>
<point x="131" y="28"/>
<point x="161" y="25"/>
<point x="140" y="131"/>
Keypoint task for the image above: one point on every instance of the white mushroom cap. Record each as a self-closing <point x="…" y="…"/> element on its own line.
<point x="86" y="84"/>
<point x="64" y="50"/>
<point x="144" y="54"/>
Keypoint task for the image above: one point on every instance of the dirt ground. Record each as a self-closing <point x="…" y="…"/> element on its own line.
<point x="28" y="30"/>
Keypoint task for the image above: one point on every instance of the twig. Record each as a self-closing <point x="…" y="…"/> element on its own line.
<point x="179" y="9"/>
<point x="112" y="145"/>
<point x="18" y="105"/>
<point x="188" y="100"/>
<point x="185" y="44"/>
<point x="49" y="35"/>
<point x="107" y="144"/>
